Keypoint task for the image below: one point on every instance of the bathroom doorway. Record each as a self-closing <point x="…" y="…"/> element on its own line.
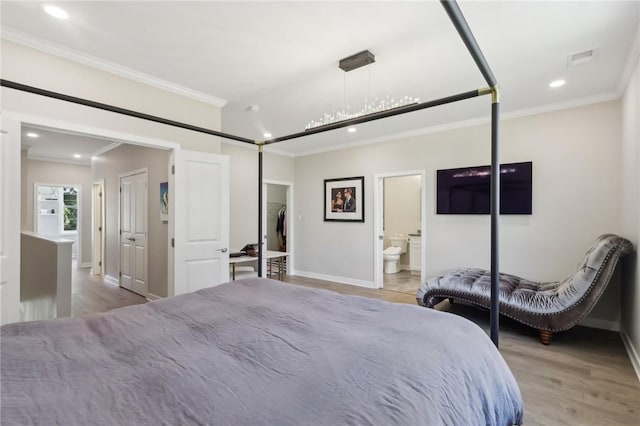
<point x="399" y="223"/>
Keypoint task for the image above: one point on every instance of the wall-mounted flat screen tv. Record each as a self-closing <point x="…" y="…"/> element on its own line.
<point x="468" y="190"/>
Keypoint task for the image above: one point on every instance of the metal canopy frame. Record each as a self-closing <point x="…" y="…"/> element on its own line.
<point x="459" y="22"/>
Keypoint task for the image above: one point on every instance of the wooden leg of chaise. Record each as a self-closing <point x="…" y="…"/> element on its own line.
<point x="451" y="300"/>
<point x="545" y="336"/>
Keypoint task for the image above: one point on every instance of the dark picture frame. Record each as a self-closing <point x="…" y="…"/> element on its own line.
<point x="344" y="199"/>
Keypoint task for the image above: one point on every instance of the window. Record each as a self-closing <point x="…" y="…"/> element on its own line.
<point x="70" y="207"/>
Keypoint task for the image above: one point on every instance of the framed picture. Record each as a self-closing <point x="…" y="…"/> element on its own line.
<point x="164" y="201"/>
<point x="344" y="199"/>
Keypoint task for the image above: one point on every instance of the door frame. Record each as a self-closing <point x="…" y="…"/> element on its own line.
<point x="290" y="222"/>
<point x="98" y="268"/>
<point x="378" y="222"/>
<point x="79" y="225"/>
<point x="13" y="222"/>
<point x="144" y="170"/>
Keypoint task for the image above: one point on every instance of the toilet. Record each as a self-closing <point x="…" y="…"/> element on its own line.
<point x="391" y="255"/>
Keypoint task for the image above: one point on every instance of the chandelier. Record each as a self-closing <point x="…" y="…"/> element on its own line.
<point x="377" y="105"/>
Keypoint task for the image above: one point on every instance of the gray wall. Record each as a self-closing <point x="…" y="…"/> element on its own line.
<point x="109" y="166"/>
<point x="576" y="156"/>
<point x="244" y="188"/>
<point x="58" y="174"/>
<point x="631" y="211"/>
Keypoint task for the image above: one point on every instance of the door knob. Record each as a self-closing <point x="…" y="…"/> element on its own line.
<point x="224" y="250"/>
<point x="131" y="239"/>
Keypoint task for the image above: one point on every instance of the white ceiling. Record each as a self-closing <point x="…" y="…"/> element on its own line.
<point x="54" y="145"/>
<point x="283" y="56"/>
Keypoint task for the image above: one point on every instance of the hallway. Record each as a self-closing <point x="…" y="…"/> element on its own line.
<point x="90" y="294"/>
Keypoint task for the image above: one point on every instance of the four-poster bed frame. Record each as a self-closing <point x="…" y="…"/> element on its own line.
<point x="455" y="15"/>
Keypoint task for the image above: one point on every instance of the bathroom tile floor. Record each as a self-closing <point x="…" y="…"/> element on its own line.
<point x="402" y="282"/>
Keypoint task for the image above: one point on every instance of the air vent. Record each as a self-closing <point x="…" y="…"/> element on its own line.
<point x="581" y="58"/>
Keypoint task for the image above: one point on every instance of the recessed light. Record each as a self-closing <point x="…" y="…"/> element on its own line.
<point x="94" y="158"/>
<point x="267" y="135"/>
<point x="253" y="108"/>
<point x="77" y="156"/>
<point x="351" y="129"/>
<point x="56" y="12"/>
<point x="32" y="135"/>
<point x="557" y="83"/>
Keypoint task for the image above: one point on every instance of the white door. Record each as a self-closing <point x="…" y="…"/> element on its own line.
<point x="9" y="221"/>
<point x="133" y="232"/>
<point x="97" y="257"/>
<point x="198" y="220"/>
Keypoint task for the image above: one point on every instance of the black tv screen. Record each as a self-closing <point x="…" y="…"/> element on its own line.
<point x="468" y="190"/>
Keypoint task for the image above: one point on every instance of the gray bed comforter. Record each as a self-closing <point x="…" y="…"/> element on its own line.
<point x="256" y="352"/>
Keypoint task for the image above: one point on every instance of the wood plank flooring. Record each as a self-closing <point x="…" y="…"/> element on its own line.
<point x="90" y="294"/>
<point x="583" y="378"/>
<point x="402" y="281"/>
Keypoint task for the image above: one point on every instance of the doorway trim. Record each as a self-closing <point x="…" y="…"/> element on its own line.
<point x="128" y="138"/>
<point x="378" y="222"/>
<point x="98" y="227"/>
<point x="290" y="222"/>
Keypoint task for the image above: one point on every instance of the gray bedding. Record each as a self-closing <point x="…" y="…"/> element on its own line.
<point x="256" y="352"/>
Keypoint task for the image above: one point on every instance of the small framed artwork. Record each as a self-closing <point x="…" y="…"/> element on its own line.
<point x="344" y="199"/>
<point x="164" y="201"/>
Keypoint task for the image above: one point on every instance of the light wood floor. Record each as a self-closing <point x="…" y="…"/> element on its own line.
<point x="583" y="378"/>
<point x="90" y="294"/>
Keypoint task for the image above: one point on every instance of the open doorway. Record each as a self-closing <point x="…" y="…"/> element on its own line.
<point x="97" y="228"/>
<point x="399" y="222"/>
<point x="277" y="210"/>
<point x="58" y="212"/>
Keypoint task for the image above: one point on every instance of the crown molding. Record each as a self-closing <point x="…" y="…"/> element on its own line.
<point x="106" y="149"/>
<point x="632" y="60"/>
<point x="24" y="39"/>
<point x="575" y="103"/>
<point x="59" y="160"/>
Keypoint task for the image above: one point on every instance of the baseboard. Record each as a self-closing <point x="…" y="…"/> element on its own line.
<point x="108" y="279"/>
<point x="85" y="265"/>
<point x="151" y="296"/>
<point x="633" y="354"/>
<point x="341" y="280"/>
<point x="405" y="267"/>
<point x="601" y="324"/>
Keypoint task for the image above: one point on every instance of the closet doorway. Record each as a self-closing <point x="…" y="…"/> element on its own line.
<point x="277" y="223"/>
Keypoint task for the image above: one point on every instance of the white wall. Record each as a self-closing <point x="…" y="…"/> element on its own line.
<point x="401" y="209"/>
<point x="244" y="188"/>
<point x="60" y="174"/>
<point x="109" y="166"/>
<point x="630" y="324"/>
<point x="576" y="194"/>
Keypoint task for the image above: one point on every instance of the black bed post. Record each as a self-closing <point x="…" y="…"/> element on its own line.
<point x="495" y="214"/>
<point x="458" y="21"/>
<point x="260" y="149"/>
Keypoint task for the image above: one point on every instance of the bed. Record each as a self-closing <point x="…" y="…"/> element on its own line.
<point x="256" y="352"/>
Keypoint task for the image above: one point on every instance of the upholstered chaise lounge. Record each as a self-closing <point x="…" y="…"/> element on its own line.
<point x="545" y="306"/>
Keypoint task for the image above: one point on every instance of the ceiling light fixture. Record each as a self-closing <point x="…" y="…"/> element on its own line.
<point x="32" y="135"/>
<point x="557" y="83"/>
<point x="267" y="135"/>
<point x="94" y="158"/>
<point x="370" y="107"/>
<point x="56" y="12"/>
<point x="352" y="129"/>
<point x="77" y="156"/>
